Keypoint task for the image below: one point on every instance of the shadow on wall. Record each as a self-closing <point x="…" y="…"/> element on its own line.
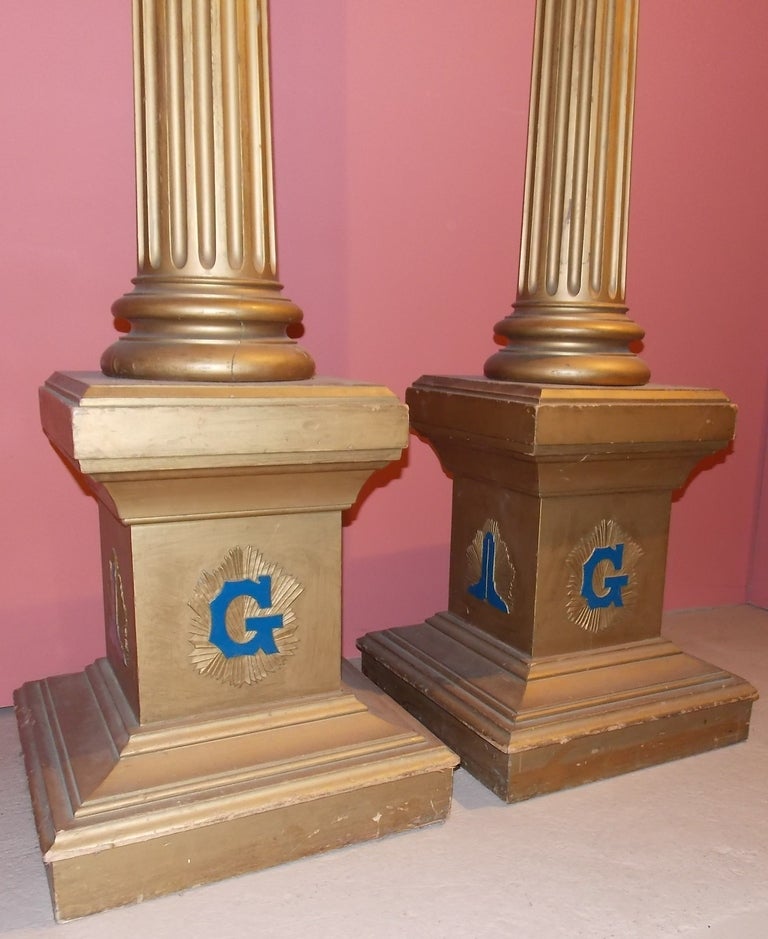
<point x="715" y="459"/>
<point x="383" y="477"/>
<point x="76" y="623"/>
<point x="415" y="586"/>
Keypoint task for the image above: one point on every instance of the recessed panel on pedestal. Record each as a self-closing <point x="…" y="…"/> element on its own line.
<point x="574" y="596"/>
<point x="228" y="610"/>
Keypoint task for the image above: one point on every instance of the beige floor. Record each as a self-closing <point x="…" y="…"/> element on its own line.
<point x="677" y="850"/>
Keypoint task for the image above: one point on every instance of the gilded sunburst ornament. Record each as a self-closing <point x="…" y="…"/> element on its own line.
<point x="243" y="626"/>
<point x="490" y="572"/>
<point x="603" y="577"/>
<point x="117" y="607"/>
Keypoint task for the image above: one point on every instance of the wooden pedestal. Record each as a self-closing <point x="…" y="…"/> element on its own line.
<point x="548" y="669"/>
<point x="218" y="735"/>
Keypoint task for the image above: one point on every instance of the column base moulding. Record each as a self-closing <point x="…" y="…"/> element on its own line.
<point x="127" y="812"/>
<point x="526" y="726"/>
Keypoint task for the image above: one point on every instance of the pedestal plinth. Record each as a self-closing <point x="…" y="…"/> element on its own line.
<point x="548" y="669"/>
<point x="219" y="735"/>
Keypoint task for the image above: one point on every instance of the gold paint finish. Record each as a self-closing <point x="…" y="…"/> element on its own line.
<point x="243" y="563"/>
<point x="182" y="481"/>
<point x="570" y="324"/>
<point x="148" y="773"/>
<point x="568" y="680"/>
<point x="207" y="304"/>
<point x="526" y="727"/>
<point x="128" y="812"/>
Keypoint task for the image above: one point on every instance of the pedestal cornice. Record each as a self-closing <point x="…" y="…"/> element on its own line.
<point x="536" y="419"/>
<point x="100" y="424"/>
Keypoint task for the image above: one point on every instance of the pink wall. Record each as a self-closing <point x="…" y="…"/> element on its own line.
<point x="699" y="229"/>
<point x="400" y="134"/>
<point x="757" y="584"/>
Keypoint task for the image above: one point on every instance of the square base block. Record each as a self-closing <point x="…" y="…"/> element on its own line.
<point x="125" y="813"/>
<point x="526" y="727"/>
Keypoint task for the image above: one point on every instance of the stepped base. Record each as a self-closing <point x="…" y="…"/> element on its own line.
<point x="525" y="727"/>
<point x="127" y="812"/>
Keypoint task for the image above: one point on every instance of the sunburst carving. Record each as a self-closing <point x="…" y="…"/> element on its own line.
<point x="243" y="564"/>
<point x="499" y="579"/>
<point x="606" y="535"/>
<point x="118" y="607"/>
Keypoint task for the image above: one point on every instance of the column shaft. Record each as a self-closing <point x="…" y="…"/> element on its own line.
<point x="570" y="323"/>
<point x="207" y="302"/>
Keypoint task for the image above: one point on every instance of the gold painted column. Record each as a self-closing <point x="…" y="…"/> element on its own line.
<point x="570" y="324"/>
<point x="207" y="304"/>
<point x="221" y="733"/>
<point x="548" y="668"/>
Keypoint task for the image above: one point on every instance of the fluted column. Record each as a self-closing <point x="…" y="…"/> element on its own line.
<point x="570" y="323"/>
<point x="207" y="303"/>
